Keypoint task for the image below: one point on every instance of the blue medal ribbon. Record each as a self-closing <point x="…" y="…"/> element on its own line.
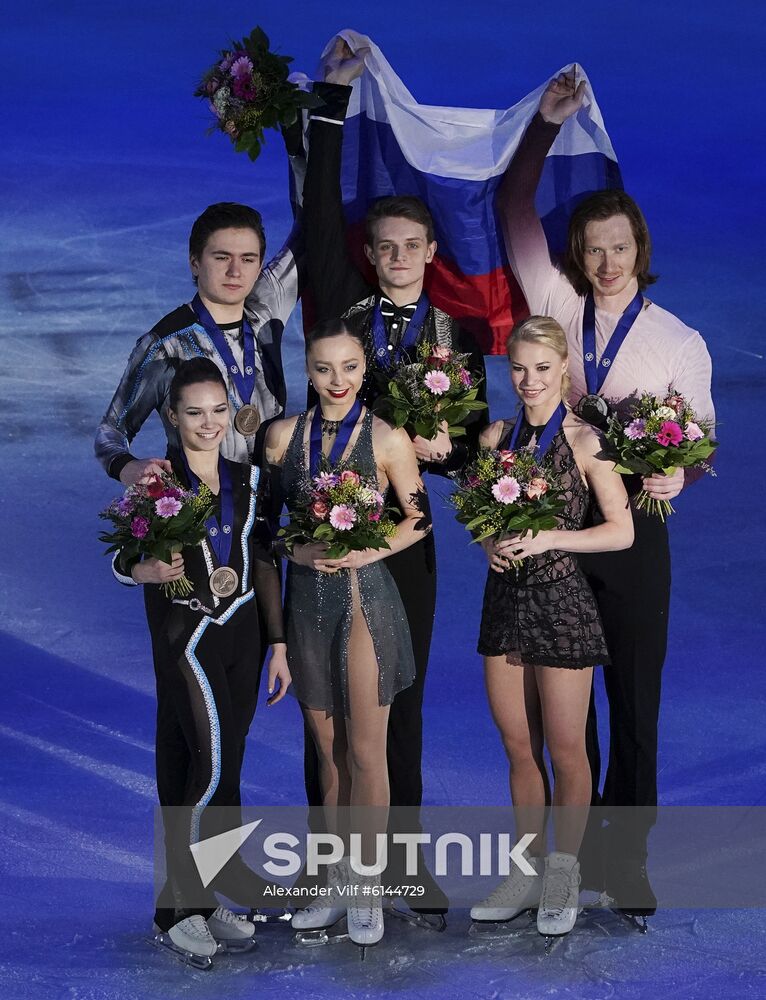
<point x="343" y="437"/>
<point x="595" y="373"/>
<point x="550" y="431"/>
<point x="218" y="531"/>
<point x="411" y="334"/>
<point x="244" y="381"/>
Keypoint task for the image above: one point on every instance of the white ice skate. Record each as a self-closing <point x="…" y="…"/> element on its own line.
<point x="190" y="941"/>
<point x="365" y="912"/>
<point x="312" y="922"/>
<point x="519" y="892"/>
<point x="557" y="912"/>
<point x="233" y="931"/>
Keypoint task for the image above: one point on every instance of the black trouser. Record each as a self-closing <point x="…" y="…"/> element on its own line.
<point x="414" y="572"/>
<point x="632" y="589"/>
<point x="205" y="704"/>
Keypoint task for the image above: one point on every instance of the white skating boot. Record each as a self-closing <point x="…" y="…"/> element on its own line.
<point x="233" y="931"/>
<point x="327" y="910"/>
<point x="557" y="912"/>
<point x="519" y="892"/>
<point x="365" y="912"/>
<point x="190" y="940"/>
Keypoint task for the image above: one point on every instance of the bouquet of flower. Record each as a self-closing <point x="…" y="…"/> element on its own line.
<point x="248" y="91"/>
<point x="343" y="509"/>
<point x="659" y="435"/>
<point x="158" y="518"/>
<point x="507" y="491"/>
<point x="438" y="387"/>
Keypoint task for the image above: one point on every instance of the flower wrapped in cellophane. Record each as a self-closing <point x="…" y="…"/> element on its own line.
<point x="157" y="519"/>
<point x="248" y="91"/>
<point x="507" y="492"/>
<point x="341" y="508"/>
<point x="659" y="434"/>
<point x="420" y="395"/>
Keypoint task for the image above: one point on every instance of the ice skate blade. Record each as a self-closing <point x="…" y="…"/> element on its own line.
<point x="427" y="921"/>
<point x="201" y="962"/>
<point x="637" y="923"/>
<point x="502" y="928"/>
<point x="269" y="916"/>
<point x="320" y="937"/>
<point x="552" y="941"/>
<point x="363" y="949"/>
<point x="236" y="947"/>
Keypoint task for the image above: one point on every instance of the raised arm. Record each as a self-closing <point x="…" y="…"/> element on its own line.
<point x="335" y="281"/>
<point x="141" y="390"/>
<point x="524" y="236"/>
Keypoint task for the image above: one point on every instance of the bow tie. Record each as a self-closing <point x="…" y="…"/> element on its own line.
<point x="393" y="312"/>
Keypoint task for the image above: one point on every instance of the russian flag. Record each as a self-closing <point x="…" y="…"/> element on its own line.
<point x="453" y="159"/>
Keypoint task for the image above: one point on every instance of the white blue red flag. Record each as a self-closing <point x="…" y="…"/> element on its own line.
<point x="453" y="159"/>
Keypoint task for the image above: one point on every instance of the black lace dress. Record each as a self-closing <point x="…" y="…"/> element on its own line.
<point x="319" y="607"/>
<point x="544" y="611"/>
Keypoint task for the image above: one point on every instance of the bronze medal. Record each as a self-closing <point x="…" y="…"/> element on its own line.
<point x="223" y="581"/>
<point x="247" y="420"/>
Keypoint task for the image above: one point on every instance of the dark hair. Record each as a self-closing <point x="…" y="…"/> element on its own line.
<point x="404" y="206"/>
<point x="225" y="215"/>
<point x="599" y="206"/>
<point x="193" y="372"/>
<point x="332" y="328"/>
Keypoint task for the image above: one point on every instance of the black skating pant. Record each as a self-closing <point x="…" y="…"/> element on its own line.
<point x="632" y="589"/>
<point x="206" y="699"/>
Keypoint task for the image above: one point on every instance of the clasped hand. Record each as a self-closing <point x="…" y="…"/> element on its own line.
<point x="314" y="555"/>
<point x="503" y="550"/>
<point x="661" y="486"/>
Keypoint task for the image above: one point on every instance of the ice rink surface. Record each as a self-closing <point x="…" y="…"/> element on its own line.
<point x="105" y="164"/>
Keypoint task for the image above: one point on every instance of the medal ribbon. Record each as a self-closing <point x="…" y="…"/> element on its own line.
<point x="596" y="373"/>
<point x="244" y="381"/>
<point x="344" y="435"/>
<point x="550" y="431"/>
<point x="411" y="334"/>
<point x="218" y="532"/>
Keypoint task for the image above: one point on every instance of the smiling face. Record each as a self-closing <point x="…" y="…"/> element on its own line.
<point x="609" y="258"/>
<point x="226" y="271"/>
<point x="336" y="367"/>
<point x="201" y="416"/>
<point x="536" y="374"/>
<point x="399" y="253"/>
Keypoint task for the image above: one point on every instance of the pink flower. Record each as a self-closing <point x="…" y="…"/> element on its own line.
<point x="473" y="481"/>
<point x="377" y="498"/>
<point x="244" y="88"/>
<point x="437" y="382"/>
<point x="139" y="527"/>
<point x="342" y="517"/>
<point x="325" y="480"/>
<point x="228" y="59"/>
<point x="635" y="430"/>
<point x="465" y="378"/>
<point x="348" y="476"/>
<point x="693" y="431"/>
<point x="241" y="66"/>
<point x="537" y="487"/>
<point x="167" y="506"/>
<point x="439" y="356"/>
<point x="374" y="515"/>
<point x="506" y="489"/>
<point x="319" y="509"/>
<point x="507" y="459"/>
<point x="670" y="433"/>
<point x="124" y="506"/>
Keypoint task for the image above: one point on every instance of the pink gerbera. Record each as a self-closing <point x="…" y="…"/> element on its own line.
<point x="342" y="517"/>
<point x="506" y="489"/>
<point x="167" y="506"/>
<point x="437" y="382"/>
<point x="670" y="433"/>
<point x="241" y="67"/>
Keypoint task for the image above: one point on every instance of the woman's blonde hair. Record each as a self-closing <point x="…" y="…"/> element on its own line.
<point x="546" y="331"/>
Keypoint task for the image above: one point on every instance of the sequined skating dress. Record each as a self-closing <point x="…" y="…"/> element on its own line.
<point x="319" y="607"/>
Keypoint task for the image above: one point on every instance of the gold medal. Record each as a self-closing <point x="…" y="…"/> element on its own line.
<point x="223" y="581"/>
<point x="247" y="420"/>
